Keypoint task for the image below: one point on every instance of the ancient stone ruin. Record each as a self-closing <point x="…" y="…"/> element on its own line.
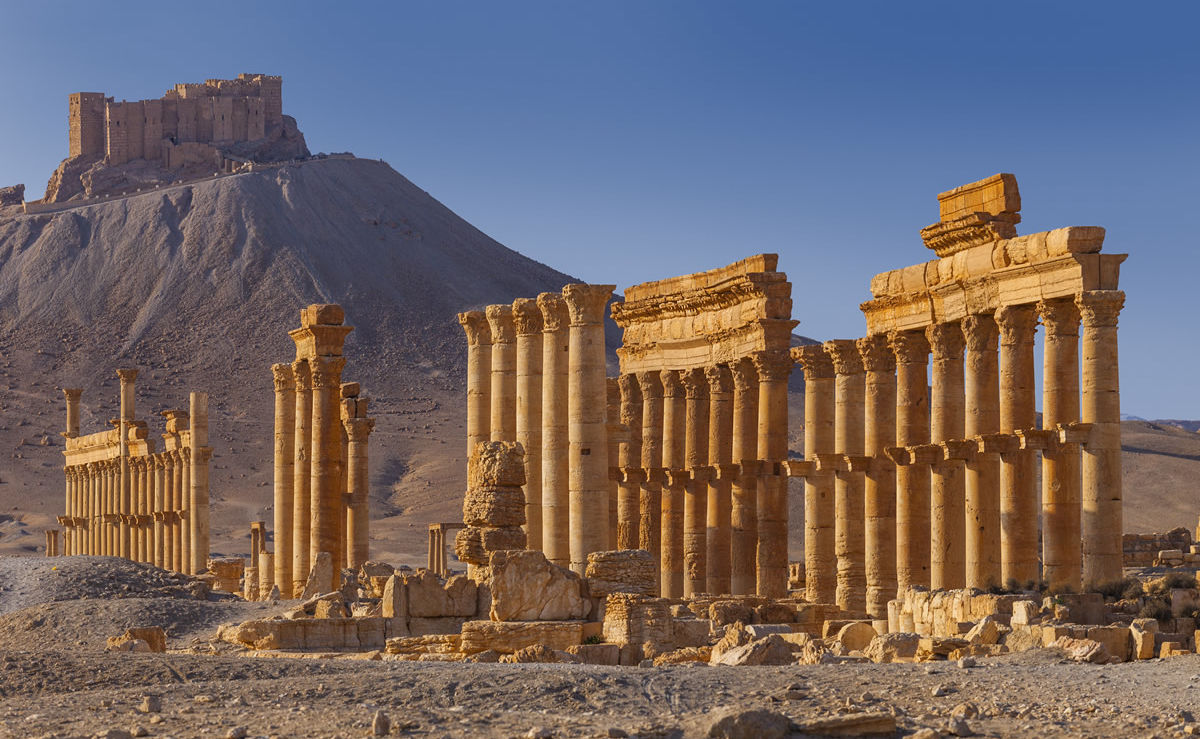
<point x="124" y="499"/>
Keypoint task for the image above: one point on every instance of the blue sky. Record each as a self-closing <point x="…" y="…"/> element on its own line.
<point x="631" y="140"/>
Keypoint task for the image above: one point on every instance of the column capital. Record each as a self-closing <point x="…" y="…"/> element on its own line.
<point x="814" y="360"/>
<point x="1017" y="324"/>
<point x="946" y="341"/>
<point x="127" y="375"/>
<point x="672" y="385"/>
<point x="980" y="332"/>
<point x="157" y="461"/>
<point x="630" y="390"/>
<point x="875" y="353"/>
<point x="327" y="372"/>
<point x="745" y="377"/>
<point x="720" y="378"/>
<point x="72" y="394"/>
<point x="910" y="347"/>
<point x="586" y="302"/>
<point x="845" y="356"/>
<point x="527" y="317"/>
<point x="500" y="320"/>
<point x="1099" y="308"/>
<point x="1060" y="316"/>
<point x="695" y="385"/>
<point x="358" y="429"/>
<point x="301" y="375"/>
<point x="554" y="311"/>
<point x="650" y="383"/>
<point x="772" y="366"/>
<point x="475" y="323"/>
<point x="284" y="377"/>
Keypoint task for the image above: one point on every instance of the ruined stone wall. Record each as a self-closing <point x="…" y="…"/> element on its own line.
<point x="86" y="123"/>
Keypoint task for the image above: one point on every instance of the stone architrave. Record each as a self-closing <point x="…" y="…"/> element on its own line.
<point x="720" y="459"/>
<point x="673" y="450"/>
<point x="743" y="515"/>
<point x="774" y="368"/>
<point x="527" y="319"/>
<point x="1062" y="560"/>
<point x="820" y="559"/>
<point x="983" y="472"/>
<point x="695" y="504"/>
<point x="912" y="480"/>
<point x="479" y="377"/>
<point x="503" y="415"/>
<point x="849" y="483"/>
<point x="879" y="490"/>
<point x="948" y="554"/>
<point x="556" y="540"/>
<point x="1018" y="478"/>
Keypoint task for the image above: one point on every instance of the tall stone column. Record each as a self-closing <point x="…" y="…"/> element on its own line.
<point x="650" y="504"/>
<point x="1102" y="512"/>
<point x="528" y="320"/>
<point x="169" y="511"/>
<point x="302" y="477"/>
<point x="479" y="379"/>
<point x="615" y="433"/>
<point x="198" y="504"/>
<point x="720" y="458"/>
<point x="849" y="483"/>
<point x="556" y="507"/>
<point x="144" y="493"/>
<point x="91" y="509"/>
<point x="358" y="482"/>
<point x="160" y="508"/>
<point x="912" y="480"/>
<point x="879" y="486"/>
<point x="72" y="394"/>
<point x="820" y="559"/>
<point x="185" y="524"/>
<point x="124" y="495"/>
<point x="674" y="463"/>
<point x="743" y="514"/>
<point x="774" y="369"/>
<point x="587" y="430"/>
<point x="983" y="472"/>
<point x="1062" y="558"/>
<point x="1018" y="477"/>
<point x="629" y="459"/>
<point x="503" y="414"/>
<point x="695" y="504"/>
<point x="326" y="495"/>
<point x="285" y="471"/>
<point x="948" y="552"/>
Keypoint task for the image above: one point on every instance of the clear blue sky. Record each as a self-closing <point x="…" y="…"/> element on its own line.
<point x="623" y="141"/>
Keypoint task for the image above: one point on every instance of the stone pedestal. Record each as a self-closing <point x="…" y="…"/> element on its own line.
<point x="879" y="493"/>
<point x="820" y="558"/>
<point x="983" y="472"/>
<point x="743" y="516"/>
<point x="527" y="317"/>
<point x="1062" y="564"/>
<point x="285" y="461"/>
<point x="556" y="541"/>
<point x="1018" y="477"/>
<point x="948" y="554"/>
<point x="912" y="480"/>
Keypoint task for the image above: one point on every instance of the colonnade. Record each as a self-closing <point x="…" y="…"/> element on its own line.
<point x="438" y="561"/>
<point x="124" y="499"/>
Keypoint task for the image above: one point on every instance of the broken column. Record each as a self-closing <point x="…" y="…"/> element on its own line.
<point x="358" y="429"/>
<point x="494" y="506"/>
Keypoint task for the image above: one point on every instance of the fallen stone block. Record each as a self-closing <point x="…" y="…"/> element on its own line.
<point x="1083" y="650"/>
<point x="596" y="654"/>
<point x="770" y="650"/>
<point x="507" y="637"/>
<point x="875" y="723"/>
<point x="856" y="636"/>
<point x="153" y="637"/>
<point x="739" y="723"/>
<point x="684" y="656"/>
<point x="525" y="586"/>
<point x="894" y="647"/>
<point x="621" y="571"/>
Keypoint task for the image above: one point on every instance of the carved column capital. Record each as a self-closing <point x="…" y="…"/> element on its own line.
<point x="1100" y="308"/>
<point x="169" y="459"/>
<point x="500" y="321"/>
<point x="720" y="378"/>
<point x="586" y="302"/>
<point x="980" y="332"/>
<point x="695" y="385"/>
<point x="475" y="323"/>
<point x="946" y="341"/>
<point x="72" y="394"/>
<point x="876" y="355"/>
<point x="554" y="311"/>
<point x="814" y="360"/>
<point x="845" y="356"/>
<point x="1017" y="324"/>
<point x="745" y="377"/>
<point x="301" y="375"/>
<point x="284" y="377"/>
<point x="327" y="372"/>
<point x="358" y="429"/>
<point x="1060" y="316"/>
<point x="772" y="366"/>
<point x="672" y="385"/>
<point x="910" y="347"/>
<point x="127" y="375"/>
<point x="650" y="383"/>
<point x="527" y="316"/>
<point x="631" y="398"/>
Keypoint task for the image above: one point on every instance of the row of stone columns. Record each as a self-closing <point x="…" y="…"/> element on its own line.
<point x="910" y="485"/>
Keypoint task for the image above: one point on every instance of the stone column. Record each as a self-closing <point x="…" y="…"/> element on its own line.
<point x="587" y="430"/>
<point x="69" y="476"/>
<point x="479" y="379"/>
<point x="302" y="478"/>
<point x="650" y="505"/>
<point x="1018" y="478"/>
<point x="529" y="325"/>
<point x="720" y="458"/>
<point x="198" y="503"/>
<point x="92" y="510"/>
<point x="184" y="533"/>
<point x="1062" y="562"/>
<point x="124" y="495"/>
<point x="983" y="472"/>
<point x="170" y="507"/>
<point x="948" y="552"/>
<point x="743" y="515"/>
<point x="503" y="414"/>
<point x="556" y="541"/>
<point x="674" y="463"/>
<point x="912" y="480"/>
<point x="849" y="440"/>
<point x="629" y="459"/>
<point x="325" y="494"/>
<point x="72" y="395"/>
<point x="145" y="491"/>
<point x="285" y="471"/>
<point x="774" y="369"/>
<point x="820" y="561"/>
<point x="879" y="487"/>
<point x="358" y="483"/>
<point x="159" y="508"/>
<point x="615" y="433"/>
<point x="1102" y="514"/>
<point x="695" y="504"/>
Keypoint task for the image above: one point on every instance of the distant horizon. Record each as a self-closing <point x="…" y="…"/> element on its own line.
<point x="631" y="142"/>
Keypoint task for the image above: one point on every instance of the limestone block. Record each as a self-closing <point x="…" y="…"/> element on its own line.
<point x="856" y="636"/>
<point x="621" y="571"/>
<point x="872" y="723"/>
<point x="395" y="599"/>
<point x="684" y="656"/>
<point x="1022" y="638"/>
<point x="1025" y="612"/>
<point x="1172" y="649"/>
<point x="153" y="637"/>
<point x="462" y="598"/>
<point x="938" y="647"/>
<point x="327" y="314"/>
<point x="985" y="632"/>
<point x="432" y="644"/>
<point x="1082" y="608"/>
<point x="429" y="597"/>
<point x="1184" y="601"/>
<point x="774" y="613"/>
<point x="427" y="626"/>
<point x="735" y="635"/>
<point x="228" y="571"/>
<point x="631" y="621"/>
<point x="725" y="612"/>
<point x="320" y="573"/>
<point x="758" y="631"/>
<point x="507" y="637"/>
<point x="739" y="723"/>
<point x="494" y="507"/>
<point x="691" y="632"/>
<point x="1116" y="640"/>
<point x="121" y="644"/>
<point x="539" y="653"/>
<point x="596" y="654"/>
<point x="797" y="640"/>
<point x="893" y="647"/>
<point x="372" y="632"/>
<point x="496" y="464"/>
<point x="525" y="586"/>
<point x="770" y="650"/>
<point x="366" y="609"/>
<point x="330" y="609"/>
<point x="472" y="544"/>
<point x="1083" y="650"/>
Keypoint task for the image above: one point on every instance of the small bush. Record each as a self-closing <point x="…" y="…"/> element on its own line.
<point x="1126" y="589"/>
<point x="1178" y="580"/>
<point x="1157" y="609"/>
<point x="594" y="639"/>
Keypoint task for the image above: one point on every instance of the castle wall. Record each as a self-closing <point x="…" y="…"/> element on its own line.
<point x="86" y="124"/>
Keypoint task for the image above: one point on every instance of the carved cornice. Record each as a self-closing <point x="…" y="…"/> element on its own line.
<point x="500" y="320"/>
<point x="1060" y="316"/>
<point x="527" y="317"/>
<point x="910" y="347"/>
<point x="876" y="355"/>
<point x="586" y="302"/>
<point x="845" y="356"/>
<point x="814" y="360"/>
<point x="554" y="312"/>
<point x="704" y="300"/>
<point x="1100" y="308"/>
<point x="773" y="366"/>
<point x="1017" y="324"/>
<point x="946" y="341"/>
<point x="475" y="323"/>
<point x="950" y="237"/>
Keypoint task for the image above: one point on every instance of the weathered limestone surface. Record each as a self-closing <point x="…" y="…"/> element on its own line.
<point x="622" y="571"/>
<point x="494" y="505"/>
<point x="507" y="637"/>
<point x="525" y="586"/>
